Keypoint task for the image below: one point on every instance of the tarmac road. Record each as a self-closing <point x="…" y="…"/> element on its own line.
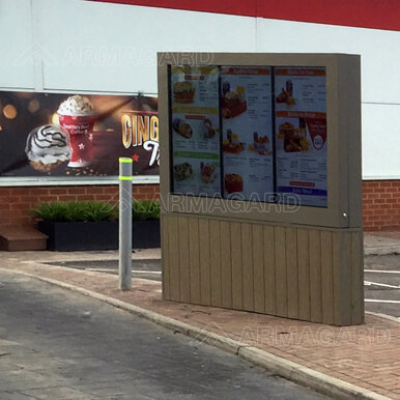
<point x="56" y="344"/>
<point x="382" y="284"/>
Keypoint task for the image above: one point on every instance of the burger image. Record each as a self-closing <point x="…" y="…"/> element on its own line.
<point x="184" y="92"/>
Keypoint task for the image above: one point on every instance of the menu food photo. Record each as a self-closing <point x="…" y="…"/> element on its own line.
<point x="253" y="133"/>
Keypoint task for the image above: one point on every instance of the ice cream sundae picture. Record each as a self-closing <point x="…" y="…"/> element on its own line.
<point x="77" y="115"/>
<point x="47" y="147"/>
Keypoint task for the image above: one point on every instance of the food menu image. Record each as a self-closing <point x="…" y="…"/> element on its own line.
<point x="301" y="134"/>
<point x="246" y="110"/>
<point x="195" y="130"/>
<point x="253" y="133"/>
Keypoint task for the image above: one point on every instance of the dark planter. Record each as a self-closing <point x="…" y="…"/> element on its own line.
<point x="90" y="236"/>
<point x="146" y="234"/>
<point x="80" y="236"/>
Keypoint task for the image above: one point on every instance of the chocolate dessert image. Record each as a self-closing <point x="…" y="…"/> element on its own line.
<point x="47" y="147"/>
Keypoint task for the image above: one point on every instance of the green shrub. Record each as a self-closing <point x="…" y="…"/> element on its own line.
<point x="79" y="211"/>
<point x="87" y="211"/>
<point x="145" y="209"/>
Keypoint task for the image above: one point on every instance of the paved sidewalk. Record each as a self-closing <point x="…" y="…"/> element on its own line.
<point x="367" y="356"/>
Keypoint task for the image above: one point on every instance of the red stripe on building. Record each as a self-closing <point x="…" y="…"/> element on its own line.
<point x="377" y="14"/>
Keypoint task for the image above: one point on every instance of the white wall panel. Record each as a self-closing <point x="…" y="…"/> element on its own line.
<point x="380" y="51"/>
<point x="381" y="141"/>
<point x="111" y="47"/>
<point x="17" y="53"/>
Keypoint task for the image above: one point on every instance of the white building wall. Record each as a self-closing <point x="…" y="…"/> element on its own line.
<point x="75" y="45"/>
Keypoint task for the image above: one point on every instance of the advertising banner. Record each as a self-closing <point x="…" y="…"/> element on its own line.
<point x="73" y="136"/>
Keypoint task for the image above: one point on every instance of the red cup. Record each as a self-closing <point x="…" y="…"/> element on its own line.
<point x="80" y="130"/>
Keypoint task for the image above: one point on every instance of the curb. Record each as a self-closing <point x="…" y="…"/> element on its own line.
<point x="294" y="372"/>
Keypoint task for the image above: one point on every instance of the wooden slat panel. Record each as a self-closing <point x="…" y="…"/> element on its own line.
<point x="205" y="279"/>
<point x="194" y="258"/>
<point x="247" y="267"/>
<point x="315" y="275"/>
<point x="327" y="277"/>
<point x="342" y="278"/>
<point x="303" y="252"/>
<point x="237" y="279"/>
<point x="215" y="263"/>
<point x="269" y="270"/>
<point x="357" y="278"/>
<point x="165" y="258"/>
<point x="174" y="257"/>
<point x="281" y="274"/>
<point x="184" y="267"/>
<point x="292" y="273"/>
<point x="226" y="271"/>
<point x="258" y="266"/>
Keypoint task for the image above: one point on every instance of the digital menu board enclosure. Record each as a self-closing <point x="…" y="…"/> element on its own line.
<point x="261" y="178"/>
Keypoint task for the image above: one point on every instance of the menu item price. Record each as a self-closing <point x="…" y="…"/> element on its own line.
<point x="184" y="92"/>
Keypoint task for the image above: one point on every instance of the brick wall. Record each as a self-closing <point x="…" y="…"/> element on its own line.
<point x="15" y="203"/>
<point x="381" y="201"/>
<point x="381" y="205"/>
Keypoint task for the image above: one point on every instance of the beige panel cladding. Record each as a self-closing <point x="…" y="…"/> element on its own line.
<point x="294" y="272"/>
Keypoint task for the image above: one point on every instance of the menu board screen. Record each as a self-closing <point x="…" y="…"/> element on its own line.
<point x="254" y="133"/>
<point x="195" y="131"/>
<point x="300" y="120"/>
<point x="246" y="109"/>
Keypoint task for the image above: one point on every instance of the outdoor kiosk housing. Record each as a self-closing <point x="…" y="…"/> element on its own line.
<point x="261" y="183"/>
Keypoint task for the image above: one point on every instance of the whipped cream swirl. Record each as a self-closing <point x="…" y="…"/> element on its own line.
<point x="48" y="144"/>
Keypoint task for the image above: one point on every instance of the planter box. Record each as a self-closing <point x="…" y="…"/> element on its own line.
<point x="80" y="236"/>
<point x="104" y="235"/>
<point x="146" y="234"/>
